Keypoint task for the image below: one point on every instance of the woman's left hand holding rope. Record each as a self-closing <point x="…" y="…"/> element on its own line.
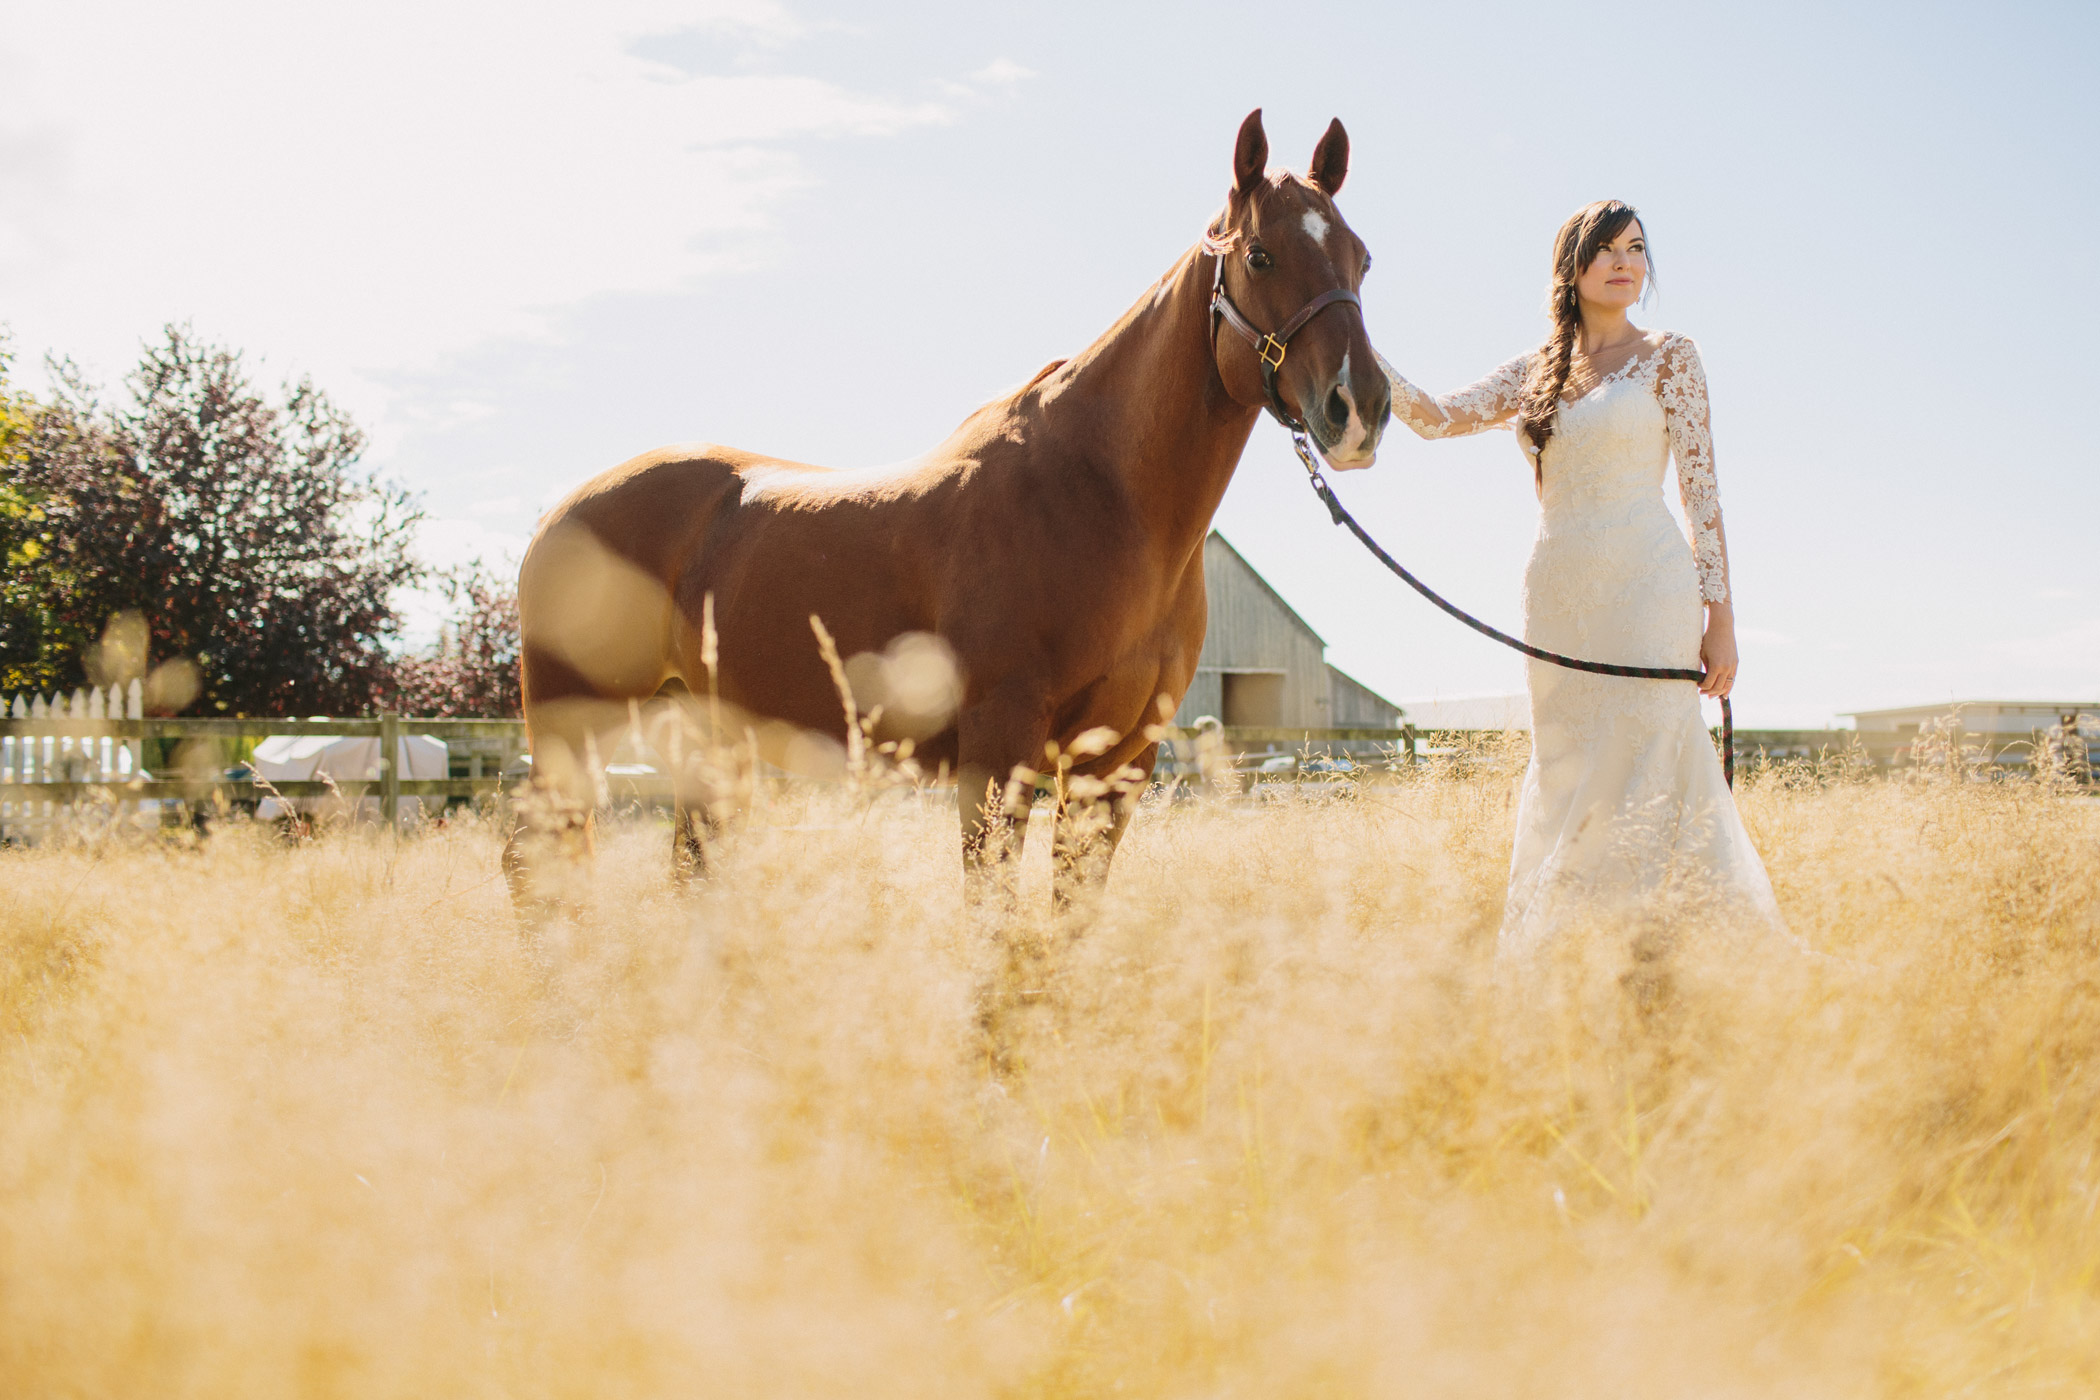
<point x="1717" y="655"/>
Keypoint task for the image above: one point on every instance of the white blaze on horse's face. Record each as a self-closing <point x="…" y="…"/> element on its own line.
<point x="1351" y="442"/>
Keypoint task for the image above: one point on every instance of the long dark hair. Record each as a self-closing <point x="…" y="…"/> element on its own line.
<point x="1575" y="247"/>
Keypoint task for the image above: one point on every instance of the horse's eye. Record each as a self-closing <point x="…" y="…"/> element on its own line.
<point x="1259" y="259"/>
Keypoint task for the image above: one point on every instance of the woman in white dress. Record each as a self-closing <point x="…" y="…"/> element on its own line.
<point x="1624" y="799"/>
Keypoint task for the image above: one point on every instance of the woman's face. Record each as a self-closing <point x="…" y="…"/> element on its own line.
<point x="1618" y="275"/>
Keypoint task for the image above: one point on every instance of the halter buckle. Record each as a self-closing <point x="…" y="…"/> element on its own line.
<point x="1265" y="345"/>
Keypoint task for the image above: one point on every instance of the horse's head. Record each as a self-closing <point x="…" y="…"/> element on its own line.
<point x="1283" y="246"/>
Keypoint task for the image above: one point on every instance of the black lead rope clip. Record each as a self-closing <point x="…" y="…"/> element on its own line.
<point x="1319" y="482"/>
<point x="1304" y="449"/>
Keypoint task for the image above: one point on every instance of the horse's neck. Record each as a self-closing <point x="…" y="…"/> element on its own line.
<point x="1157" y="413"/>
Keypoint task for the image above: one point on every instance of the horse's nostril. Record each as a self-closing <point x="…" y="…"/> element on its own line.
<point x="1337" y="408"/>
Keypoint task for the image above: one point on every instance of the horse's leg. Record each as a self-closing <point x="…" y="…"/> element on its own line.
<point x="1087" y="834"/>
<point x="993" y="807"/>
<point x="994" y="815"/>
<point x="702" y="803"/>
<point x="689" y="833"/>
<point x="992" y="741"/>
<point x="691" y="753"/>
<point x="552" y="839"/>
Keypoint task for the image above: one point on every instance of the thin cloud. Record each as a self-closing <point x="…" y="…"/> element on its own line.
<point x="1001" y="72"/>
<point x="373" y="189"/>
<point x="1001" y="77"/>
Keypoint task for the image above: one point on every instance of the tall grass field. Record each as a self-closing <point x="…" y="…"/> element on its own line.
<point x="328" y="1120"/>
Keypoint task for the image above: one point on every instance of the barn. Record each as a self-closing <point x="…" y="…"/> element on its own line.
<point x="1263" y="667"/>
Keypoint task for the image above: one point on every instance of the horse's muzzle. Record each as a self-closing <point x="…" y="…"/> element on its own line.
<point x="1351" y="418"/>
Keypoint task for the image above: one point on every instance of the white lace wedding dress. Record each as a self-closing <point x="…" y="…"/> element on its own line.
<point x="1624" y="800"/>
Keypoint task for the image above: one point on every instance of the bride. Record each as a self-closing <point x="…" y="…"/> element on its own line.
<point x="1624" y="798"/>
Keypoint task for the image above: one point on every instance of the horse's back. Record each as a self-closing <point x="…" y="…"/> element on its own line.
<point x="597" y="587"/>
<point x="653" y="509"/>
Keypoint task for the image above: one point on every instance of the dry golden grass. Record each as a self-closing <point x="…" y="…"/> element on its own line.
<point x="322" y="1121"/>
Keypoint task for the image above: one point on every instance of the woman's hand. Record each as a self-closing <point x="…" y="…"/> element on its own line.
<point x="1717" y="650"/>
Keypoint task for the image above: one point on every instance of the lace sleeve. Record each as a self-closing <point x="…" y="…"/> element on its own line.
<point x="1681" y="386"/>
<point x="1488" y="404"/>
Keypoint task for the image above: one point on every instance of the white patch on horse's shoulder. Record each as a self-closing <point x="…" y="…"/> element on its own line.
<point x="1159" y="293"/>
<point x="1316" y="225"/>
<point x="764" y="481"/>
<point x="761" y="481"/>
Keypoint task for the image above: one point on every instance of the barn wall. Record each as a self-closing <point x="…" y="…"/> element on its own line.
<point x="1205" y="697"/>
<point x="1354" y="705"/>
<point x="1253" y="629"/>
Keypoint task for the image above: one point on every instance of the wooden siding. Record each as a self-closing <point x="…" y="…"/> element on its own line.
<point x="1252" y="630"/>
<point x="1354" y="705"/>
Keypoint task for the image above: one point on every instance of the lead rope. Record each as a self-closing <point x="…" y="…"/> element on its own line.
<point x="1602" y="668"/>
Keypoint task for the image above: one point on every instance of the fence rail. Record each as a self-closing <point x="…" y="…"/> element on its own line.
<point x="1256" y="734"/>
<point x="93" y="727"/>
<point x="238" y="789"/>
<point x="88" y="746"/>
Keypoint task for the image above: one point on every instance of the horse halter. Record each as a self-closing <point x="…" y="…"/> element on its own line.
<point x="1269" y="346"/>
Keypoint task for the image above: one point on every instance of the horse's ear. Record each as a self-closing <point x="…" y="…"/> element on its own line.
<point x="1250" y="155"/>
<point x="1330" y="164"/>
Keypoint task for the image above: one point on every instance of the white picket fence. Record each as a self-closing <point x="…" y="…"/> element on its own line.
<point x="72" y="758"/>
<point x="69" y="760"/>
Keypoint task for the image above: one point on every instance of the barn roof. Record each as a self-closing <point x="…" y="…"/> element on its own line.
<point x="1274" y="596"/>
<point x="1348" y="679"/>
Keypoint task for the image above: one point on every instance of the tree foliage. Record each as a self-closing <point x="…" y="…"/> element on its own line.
<point x="244" y="532"/>
<point x="473" y="670"/>
<point x="24" y="553"/>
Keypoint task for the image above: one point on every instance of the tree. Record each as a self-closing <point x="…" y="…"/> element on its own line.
<point x="244" y="532"/>
<point x="29" y="635"/>
<point x="473" y="670"/>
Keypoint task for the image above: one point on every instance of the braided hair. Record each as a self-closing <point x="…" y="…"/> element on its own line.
<point x="1575" y="247"/>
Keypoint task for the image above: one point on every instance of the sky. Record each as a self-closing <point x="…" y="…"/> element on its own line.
<point x="523" y="242"/>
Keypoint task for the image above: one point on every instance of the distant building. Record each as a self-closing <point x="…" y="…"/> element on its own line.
<point x="1263" y="667"/>
<point x="2007" y="729"/>
<point x="1353" y="705"/>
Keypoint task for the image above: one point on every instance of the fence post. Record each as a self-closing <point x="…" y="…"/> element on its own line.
<point x="135" y="708"/>
<point x="40" y="749"/>
<point x="389" y="768"/>
<point x="98" y="746"/>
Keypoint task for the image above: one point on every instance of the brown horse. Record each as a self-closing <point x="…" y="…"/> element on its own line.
<point x="1053" y="544"/>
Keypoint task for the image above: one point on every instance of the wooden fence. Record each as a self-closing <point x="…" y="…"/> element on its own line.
<point x="92" y="745"/>
<point x="60" y="750"/>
